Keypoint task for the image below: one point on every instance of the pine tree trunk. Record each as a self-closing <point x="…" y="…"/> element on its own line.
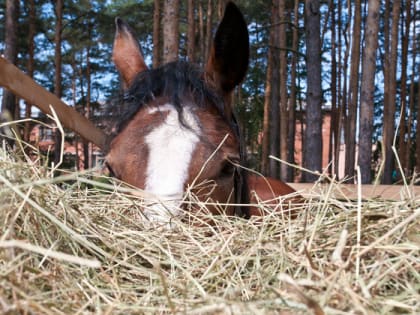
<point x="341" y="90"/>
<point x="406" y="157"/>
<point x="274" y="114"/>
<point x="156" y="33"/>
<point x="411" y="117"/>
<point x="312" y="151"/>
<point x="57" y="45"/>
<point x="31" y="61"/>
<point x="265" y="145"/>
<point x="201" y="40"/>
<point x="270" y="138"/>
<point x="221" y="4"/>
<point x="389" y="105"/>
<point x="403" y="131"/>
<point x="367" y="91"/>
<point x="386" y="50"/>
<point x="283" y="88"/>
<point x="57" y="77"/>
<point x="88" y="112"/>
<point x="209" y="34"/>
<point x="332" y="146"/>
<point x="74" y="100"/>
<point x="191" y="32"/>
<point x="170" y="30"/>
<point x="292" y="101"/>
<point x="353" y="93"/>
<point x="417" y="155"/>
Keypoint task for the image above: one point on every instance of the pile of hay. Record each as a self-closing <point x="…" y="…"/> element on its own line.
<point x="71" y="245"/>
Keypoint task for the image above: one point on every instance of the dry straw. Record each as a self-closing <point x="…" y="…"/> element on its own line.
<point x="75" y="244"/>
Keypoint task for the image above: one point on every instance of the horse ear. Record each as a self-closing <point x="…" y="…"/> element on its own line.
<point x="127" y="54"/>
<point x="229" y="55"/>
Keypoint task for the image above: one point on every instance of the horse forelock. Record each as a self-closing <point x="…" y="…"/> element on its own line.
<point x="179" y="82"/>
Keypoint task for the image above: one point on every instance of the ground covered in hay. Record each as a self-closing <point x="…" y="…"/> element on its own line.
<point x="74" y="245"/>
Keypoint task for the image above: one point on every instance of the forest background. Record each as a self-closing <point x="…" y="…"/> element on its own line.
<point x="356" y="62"/>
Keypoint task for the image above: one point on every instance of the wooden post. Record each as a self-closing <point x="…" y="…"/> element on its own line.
<point x="23" y="86"/>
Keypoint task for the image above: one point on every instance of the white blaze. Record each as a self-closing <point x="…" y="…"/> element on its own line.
<point x="170" y="150"/>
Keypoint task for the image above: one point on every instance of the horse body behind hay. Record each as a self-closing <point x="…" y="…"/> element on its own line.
<point x="179" y="132"/>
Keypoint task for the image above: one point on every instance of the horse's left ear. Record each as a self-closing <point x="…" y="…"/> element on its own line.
<point x="126" y="53"/>
<point x="229" y="55"/>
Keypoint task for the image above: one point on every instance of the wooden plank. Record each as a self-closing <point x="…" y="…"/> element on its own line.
<point x="24" y="87"/>
<point x="350" y="191"/>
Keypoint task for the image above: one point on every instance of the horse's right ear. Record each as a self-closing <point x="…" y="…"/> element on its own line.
<point x="127" y="54"/>
<point x="229" y="55"/>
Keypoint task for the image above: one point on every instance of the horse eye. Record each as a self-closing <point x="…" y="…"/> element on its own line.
<point x="227" y="170"/>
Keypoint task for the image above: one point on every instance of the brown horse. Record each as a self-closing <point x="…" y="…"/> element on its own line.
<point x="179" y="132"/>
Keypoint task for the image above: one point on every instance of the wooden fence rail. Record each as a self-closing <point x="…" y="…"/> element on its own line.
<point x="350" y="191"/>
<point x="25" y="87"/>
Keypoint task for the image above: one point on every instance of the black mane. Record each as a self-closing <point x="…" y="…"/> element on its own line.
<point x="175" y="80"/>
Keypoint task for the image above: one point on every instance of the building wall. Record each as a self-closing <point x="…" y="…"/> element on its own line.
<point x="42" y="137"/>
